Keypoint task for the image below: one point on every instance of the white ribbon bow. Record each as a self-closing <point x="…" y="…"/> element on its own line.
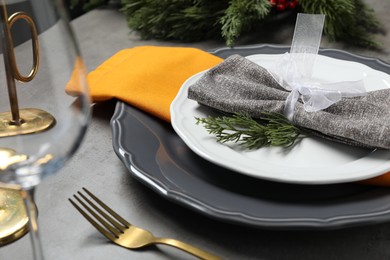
<point x="293" y="71"/>
<point x="315" y="96"/>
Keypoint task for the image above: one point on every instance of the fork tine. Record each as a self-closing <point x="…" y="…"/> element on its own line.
<point x="102" y="221"/>
<point x="108" y="209"/>
<point x="93" y="222"/>
<point x="105" y="215"/>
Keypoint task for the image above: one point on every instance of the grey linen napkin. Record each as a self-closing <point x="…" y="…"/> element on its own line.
<point x="239" y="85"/>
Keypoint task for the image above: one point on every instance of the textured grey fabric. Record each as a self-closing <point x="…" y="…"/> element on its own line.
<point x="239" y="85"/>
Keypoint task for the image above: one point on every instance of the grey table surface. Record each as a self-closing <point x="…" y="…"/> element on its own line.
<point x="66" y="235"/>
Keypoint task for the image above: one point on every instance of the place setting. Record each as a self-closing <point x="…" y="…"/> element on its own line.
<point x="269" y="187"/>
<point x="268" y="137"/>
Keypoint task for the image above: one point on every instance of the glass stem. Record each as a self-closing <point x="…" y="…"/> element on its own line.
<point x="28" y="197"/>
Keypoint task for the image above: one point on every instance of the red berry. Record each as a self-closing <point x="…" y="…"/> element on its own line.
<point x="292" y="5"/>
<point x="273" y="2"/>
<point x="282" y="2"/>
<point x="281" y="7"/>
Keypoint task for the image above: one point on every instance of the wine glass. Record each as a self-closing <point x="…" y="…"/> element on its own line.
<point x="44" y="101"/>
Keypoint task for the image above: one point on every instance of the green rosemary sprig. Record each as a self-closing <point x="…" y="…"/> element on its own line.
<point x="272" y="129"/>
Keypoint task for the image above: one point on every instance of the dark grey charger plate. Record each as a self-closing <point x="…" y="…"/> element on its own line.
<point x="155" y="155"/>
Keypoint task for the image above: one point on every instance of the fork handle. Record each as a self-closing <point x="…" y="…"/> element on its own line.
<point x="187" y="248"/>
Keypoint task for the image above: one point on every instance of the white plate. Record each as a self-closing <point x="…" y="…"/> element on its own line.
<point x="311" y="160"/>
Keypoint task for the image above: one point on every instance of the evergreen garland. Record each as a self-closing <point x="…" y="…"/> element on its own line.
<point x="183" y="20"/>
<point x="351" y="21"/>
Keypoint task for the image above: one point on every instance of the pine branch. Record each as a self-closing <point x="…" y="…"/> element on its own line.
<point x="241" y="16"/>
<point x="188" y="20"/>
<point x="183" y="20"/>
<point x="272" y="129"/>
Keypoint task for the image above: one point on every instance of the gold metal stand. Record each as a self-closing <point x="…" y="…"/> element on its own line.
<point x="13" y="215"/>
<point x="9" y="157"/>
<point x="14" y="221"/>
<point x="28" y="120"/>
<point x="33" y="121"/>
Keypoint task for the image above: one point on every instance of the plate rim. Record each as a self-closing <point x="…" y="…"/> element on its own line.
<point x="235" y="216"/>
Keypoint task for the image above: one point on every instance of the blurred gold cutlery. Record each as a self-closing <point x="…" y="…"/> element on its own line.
<point x="119" y="231"/>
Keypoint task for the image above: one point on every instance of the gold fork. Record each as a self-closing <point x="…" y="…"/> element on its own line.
<point x="119" y="231"/>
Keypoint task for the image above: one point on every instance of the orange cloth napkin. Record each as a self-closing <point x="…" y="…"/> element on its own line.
<point x="149" y="78"/>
